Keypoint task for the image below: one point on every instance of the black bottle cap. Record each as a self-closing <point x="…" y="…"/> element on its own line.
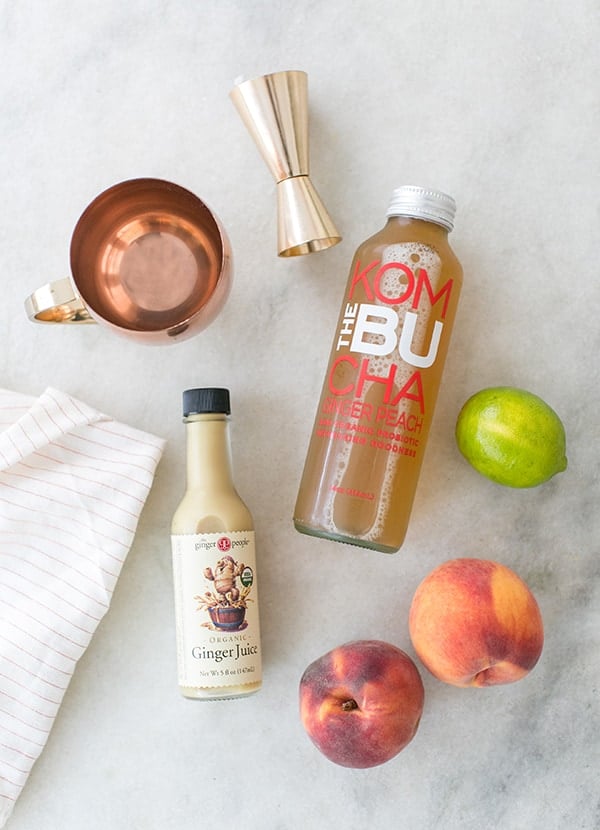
<point x="205" y="401"/>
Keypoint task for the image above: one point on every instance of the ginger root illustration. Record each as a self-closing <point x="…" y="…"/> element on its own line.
<point x="226" y="604"/>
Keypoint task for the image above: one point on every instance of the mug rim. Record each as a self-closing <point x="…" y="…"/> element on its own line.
<point x="112" y="195"/>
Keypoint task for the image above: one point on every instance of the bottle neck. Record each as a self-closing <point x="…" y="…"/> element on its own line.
<point x="425" y="229"/>
<point x="208" y="452"/>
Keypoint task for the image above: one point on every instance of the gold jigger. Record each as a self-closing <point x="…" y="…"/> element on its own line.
<point x="274" y="108"/>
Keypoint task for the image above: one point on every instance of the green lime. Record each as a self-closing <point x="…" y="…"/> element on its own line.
<point x="511" y="436"/>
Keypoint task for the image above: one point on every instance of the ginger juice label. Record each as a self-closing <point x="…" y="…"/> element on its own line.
<point x="379" y="394"/>
<point x="216" y="604"/>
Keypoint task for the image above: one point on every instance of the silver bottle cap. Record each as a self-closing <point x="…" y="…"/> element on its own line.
<point x="421" y="203"/>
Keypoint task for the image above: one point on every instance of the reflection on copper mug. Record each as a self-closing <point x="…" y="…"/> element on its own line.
<point x="148" y="259"/>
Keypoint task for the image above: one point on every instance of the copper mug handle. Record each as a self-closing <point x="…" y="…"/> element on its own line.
<point x="57" y="302"/>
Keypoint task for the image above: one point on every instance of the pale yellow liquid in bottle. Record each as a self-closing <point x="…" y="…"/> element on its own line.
<point x="211" y="504"/>
<point x="369" y="436"/>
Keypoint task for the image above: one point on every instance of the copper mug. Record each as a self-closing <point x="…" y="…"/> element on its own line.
<point x="148" y="259"/>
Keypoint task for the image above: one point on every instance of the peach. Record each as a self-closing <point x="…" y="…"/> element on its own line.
<point x="361" y="703"/>
<point x="474" y="622"/>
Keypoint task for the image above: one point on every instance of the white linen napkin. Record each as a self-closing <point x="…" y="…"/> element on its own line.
<point x="72" y="485"/>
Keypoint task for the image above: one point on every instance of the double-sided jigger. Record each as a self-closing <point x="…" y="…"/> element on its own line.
<point x="274" y="108"/>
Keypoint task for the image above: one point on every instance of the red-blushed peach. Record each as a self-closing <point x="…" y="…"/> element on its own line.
<point x="474" y="622"/>
<point x="361" y="703"/>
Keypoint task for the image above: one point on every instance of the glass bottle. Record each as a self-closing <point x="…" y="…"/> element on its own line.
<point x="214" y="562"/>
<point x="384" y="371"/>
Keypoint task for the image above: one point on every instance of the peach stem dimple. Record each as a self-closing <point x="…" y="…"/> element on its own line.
<point x="349" y="705"/>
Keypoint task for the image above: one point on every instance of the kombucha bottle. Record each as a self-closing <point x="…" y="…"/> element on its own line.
<point x="380" y="389"/>
<point x="214" y="562"/>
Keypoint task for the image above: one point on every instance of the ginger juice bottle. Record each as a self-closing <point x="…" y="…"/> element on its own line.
<point x="381" y="384"/>
<point x="214" y="562"/>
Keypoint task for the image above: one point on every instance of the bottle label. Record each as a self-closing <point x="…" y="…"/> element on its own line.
<point x="216" y="607"/>
<point x="390" y="333"/>
<point x="390" y="340"/>
<point x="379" y="394"/>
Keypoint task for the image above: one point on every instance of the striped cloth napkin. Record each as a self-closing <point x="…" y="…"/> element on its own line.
<point x="72" y="485"/>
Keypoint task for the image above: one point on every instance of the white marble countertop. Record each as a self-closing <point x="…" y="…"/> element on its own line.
<point x="494" y="103"/>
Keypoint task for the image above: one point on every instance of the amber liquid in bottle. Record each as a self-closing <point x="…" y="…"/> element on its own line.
<point x="381" y="385"/>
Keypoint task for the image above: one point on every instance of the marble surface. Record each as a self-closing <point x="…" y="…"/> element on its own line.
<point x="494" y="103"/>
